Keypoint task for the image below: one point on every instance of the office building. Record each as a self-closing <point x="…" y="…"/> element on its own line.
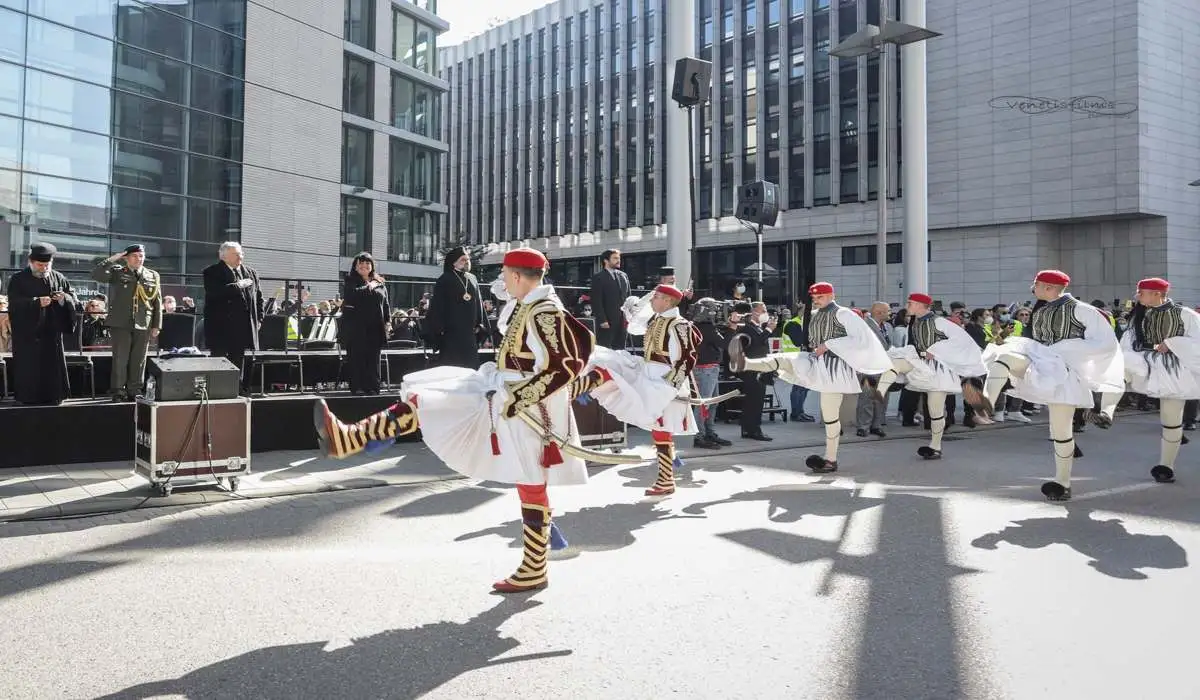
<point x="1060" y="135"/>
<point x="307" y="130"/>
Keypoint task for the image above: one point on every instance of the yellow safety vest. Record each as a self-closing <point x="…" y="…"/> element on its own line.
<point x="787" y="345"/>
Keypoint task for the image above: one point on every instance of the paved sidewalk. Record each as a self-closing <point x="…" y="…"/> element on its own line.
<point x="82" y="489"/>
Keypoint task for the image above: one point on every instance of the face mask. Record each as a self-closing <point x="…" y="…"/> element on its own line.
<point x="1005" y="318"/>
<point x="740" y="289"/>
<point x="587" y="311"/>
<point x="987" y="320"/>
<point x="764" y="317"/>
<point x="1122" y="325"/>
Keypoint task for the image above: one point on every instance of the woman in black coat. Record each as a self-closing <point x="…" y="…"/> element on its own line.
<point x="364" y="325"/>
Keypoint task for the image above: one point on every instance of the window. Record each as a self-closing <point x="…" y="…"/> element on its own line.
<point x="66" y="102"/>
<point x="868" y="254"/>
<point x="400" y="235"/>
<point x="414" y="44"/>
<point x="415" y="171"/>
<point x="356" y="156"/>
<point x="358" y="87"/>
<point x="356" y="226"/>
<point x="360" y="23"/>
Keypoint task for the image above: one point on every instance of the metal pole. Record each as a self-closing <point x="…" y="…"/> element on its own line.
<point x="691" y="117"/>
<point x="881" y="274"/>
<point x="681" y="220"/>
<point x="914" y="170"/>
<point x="759" y="235"/>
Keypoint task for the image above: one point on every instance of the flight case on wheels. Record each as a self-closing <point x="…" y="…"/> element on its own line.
<point x="190" y="442"/>
<point x="599" y="429"/>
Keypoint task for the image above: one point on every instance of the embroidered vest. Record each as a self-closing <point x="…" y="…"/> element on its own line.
<point x="1055" y="322"/>
<point x="1162" y="322"/>
<point x="824" y="325"/>
<point x="923" y="333"/>
<point x="657" y="341"/>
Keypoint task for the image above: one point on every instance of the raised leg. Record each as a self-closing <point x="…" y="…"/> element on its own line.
<point x="1170" y="413"/>
<point x="1062" y="436"/>
<point x="831" y="416"/>
<point x="888" y="378"/>
<point x="1007" y="366"/>
<point x="664" y="449"/>
<point x="531" y="575"/>
<point x="1102" y="417"/>
<point x="937" y="425"/>
<point x="340" y="440"/>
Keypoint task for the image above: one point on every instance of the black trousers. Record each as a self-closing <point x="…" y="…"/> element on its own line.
<point x="362" y="367"/>
<point x="753" y="392"/>
<point x="910" y="401"/>
<point x="612" y="338"/>
<point x="1190" y="409"/>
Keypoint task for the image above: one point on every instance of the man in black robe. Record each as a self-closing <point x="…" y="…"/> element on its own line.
<point x="233" y="308"/>
<point x="42" y="309"/>
<point x="666" y="275"/>
<point x="456" y="321"/>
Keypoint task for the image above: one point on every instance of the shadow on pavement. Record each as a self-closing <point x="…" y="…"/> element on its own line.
<point x="1111" y="549"/>
<point x="404" y="663"/>
<point x="450" y="502"/>
<point x="685" y="476"/>
<point x="908" y="620"/>
<point x="787" y="503"/>
<point x="593" y="529"/>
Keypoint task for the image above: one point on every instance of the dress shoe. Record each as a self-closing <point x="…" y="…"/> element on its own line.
<point x="756" y="436"/>
<point x="705" y="444"/>
<point x="718" y="440"/>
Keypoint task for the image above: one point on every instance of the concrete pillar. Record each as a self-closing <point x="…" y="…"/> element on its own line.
<point x="680" y="21"/>
<point x="915" y="168"/>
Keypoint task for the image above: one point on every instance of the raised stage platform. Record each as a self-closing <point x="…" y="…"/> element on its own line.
<point x="85" y="431"/>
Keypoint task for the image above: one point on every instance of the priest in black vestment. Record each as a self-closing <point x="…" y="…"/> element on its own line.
<point x="456" y="321"/>
<point x="42" y="309"/>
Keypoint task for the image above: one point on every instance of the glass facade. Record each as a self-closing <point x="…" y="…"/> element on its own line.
<point x="413" y="235"/>
<point x="413" y="42"/>
<point x="121" y="123"/>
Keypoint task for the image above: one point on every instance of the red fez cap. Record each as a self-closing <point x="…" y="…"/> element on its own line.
<point x="820" y="288"/>
<point x="670" y="291"/>
<point x="1154" y="284"/>
<point x="921" y="298"/>
<point x="1055" y="277"/>
<point x="527" y="258"/>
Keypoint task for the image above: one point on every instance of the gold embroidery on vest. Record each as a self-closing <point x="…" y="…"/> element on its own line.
<point x="549" y="330"/>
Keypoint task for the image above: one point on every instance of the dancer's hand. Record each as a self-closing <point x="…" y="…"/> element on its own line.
<point x="1162" y="348"/>
<point x="820" y="350"/>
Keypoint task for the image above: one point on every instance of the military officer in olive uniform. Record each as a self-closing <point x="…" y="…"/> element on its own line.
<point x="134" y="316"/>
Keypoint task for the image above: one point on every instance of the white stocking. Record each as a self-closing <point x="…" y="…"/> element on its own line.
<point x="888" y="378"/>
<point x="831" y="415"/>
<point x="1170" y="412"/>
<point x="1062" y="433"/>
<point x="1008" y="365"/>
<point x="1108" y="404"/>
<point x="937" y="423"/>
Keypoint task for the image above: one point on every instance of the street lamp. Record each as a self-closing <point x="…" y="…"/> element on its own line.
<point x="874" y="40"/>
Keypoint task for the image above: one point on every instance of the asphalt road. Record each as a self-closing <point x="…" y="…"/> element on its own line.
<point x="894" y="578"/>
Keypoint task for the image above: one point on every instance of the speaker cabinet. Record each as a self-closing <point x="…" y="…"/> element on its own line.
<point x="693" y="82"/>
<point x="758" y="203"/>
<point x="180" y="378"/>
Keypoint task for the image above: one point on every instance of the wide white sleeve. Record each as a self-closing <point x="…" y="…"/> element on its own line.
<point x="674" y="347"/>
<point x="1126" y="341"/>
<point x="860" y="347"/>
<point x="958" y="343"/>
<point x="1187" y="346"/>
<point x="1098" y="341"/>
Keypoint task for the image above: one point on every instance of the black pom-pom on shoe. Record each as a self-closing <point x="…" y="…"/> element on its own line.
<point x="1054" y="491"/>
<point x="1163" y="474"/>
<point x="819" y="465"/>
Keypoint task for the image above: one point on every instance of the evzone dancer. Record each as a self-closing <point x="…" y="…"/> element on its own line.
<point x="1162" y="360"/>
<point x="845" y="355"/>
<point x="651" y="392"/>
<point x="939" y="359"/>
<point x="504" y="422"/>
<point x="1069" y="352"/>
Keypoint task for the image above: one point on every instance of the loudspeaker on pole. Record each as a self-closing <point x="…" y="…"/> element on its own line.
<point x="758" y="203"/>
<point x="693" y="82"/>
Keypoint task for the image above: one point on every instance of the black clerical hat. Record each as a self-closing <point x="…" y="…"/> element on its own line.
<point x="42" y="252"/>
<point x="666" y="271"/>
<point x="135" y="248"/>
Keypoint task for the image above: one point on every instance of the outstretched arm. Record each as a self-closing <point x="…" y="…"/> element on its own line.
<point x="554" y="345"/>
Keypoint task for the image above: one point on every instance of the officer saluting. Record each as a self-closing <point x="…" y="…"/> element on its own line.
<point x="134" y="316"/>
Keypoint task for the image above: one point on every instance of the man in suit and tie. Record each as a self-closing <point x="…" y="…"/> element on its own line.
<point x="233" y="307"/>
<point x="610" y="289"/>
<point x="870" y="415"/>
